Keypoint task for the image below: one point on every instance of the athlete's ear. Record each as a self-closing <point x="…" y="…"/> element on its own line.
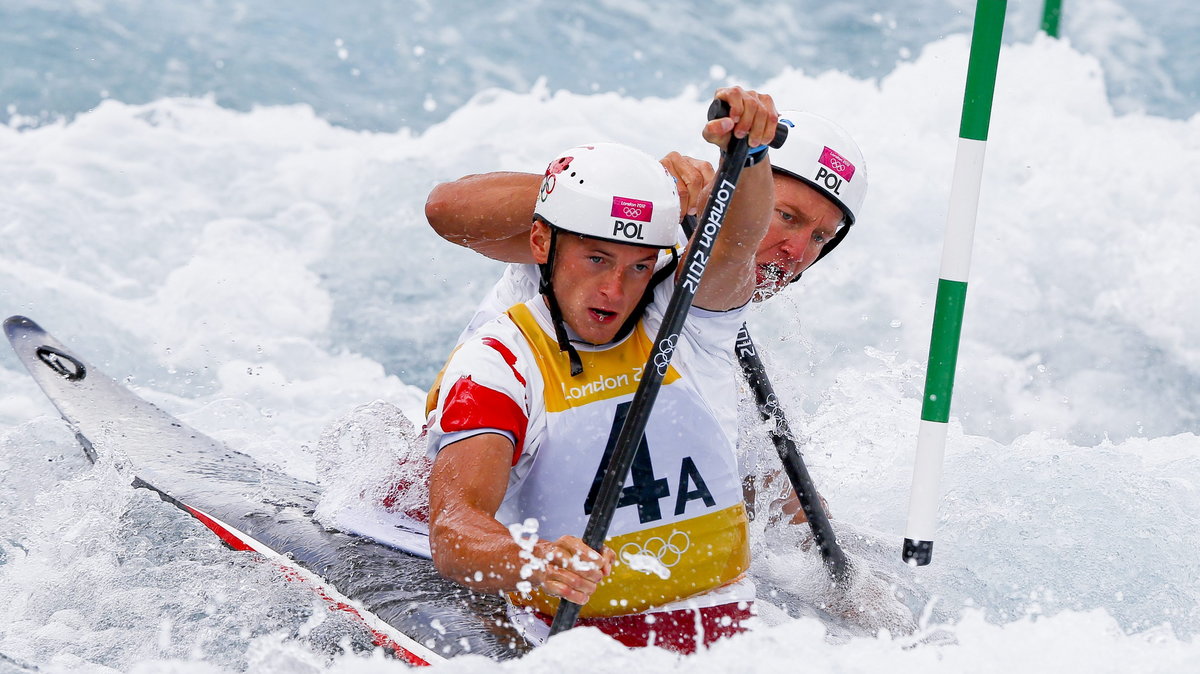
<point x="539" y="241"/>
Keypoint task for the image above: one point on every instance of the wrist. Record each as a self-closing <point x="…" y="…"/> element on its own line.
<point x="753" y="156"/>
<point x="756" y="155"/>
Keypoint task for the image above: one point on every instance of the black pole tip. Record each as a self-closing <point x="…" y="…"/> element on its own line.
<point x="917" y="553"/>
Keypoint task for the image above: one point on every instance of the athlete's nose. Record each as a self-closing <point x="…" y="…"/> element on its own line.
<point x="795" y="249"/>
<point x="611" y="284"/>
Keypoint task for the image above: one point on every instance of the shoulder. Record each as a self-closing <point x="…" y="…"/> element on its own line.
<point x="714" y="332"/>
<point x="497" y="351"/>
<point x="487" y="386"/>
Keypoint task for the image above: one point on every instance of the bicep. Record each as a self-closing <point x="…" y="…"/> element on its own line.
<point x="489" y="213"/>
<point x="470" y="474"/>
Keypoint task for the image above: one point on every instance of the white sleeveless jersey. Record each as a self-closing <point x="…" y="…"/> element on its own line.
<point x="680" y="525"/>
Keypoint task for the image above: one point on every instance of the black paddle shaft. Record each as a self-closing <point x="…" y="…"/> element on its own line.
<point x="789" y="455"/>
<point x="686" y="285"/>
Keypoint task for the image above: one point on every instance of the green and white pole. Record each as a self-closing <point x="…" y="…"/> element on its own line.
<point x="1051" y="14"/>
<point x="952" y="286"/>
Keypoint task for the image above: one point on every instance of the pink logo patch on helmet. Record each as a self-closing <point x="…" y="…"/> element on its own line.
<point x="837" y="163"/>
<point x="632" y="209"/>
<point x="559" y="165"/>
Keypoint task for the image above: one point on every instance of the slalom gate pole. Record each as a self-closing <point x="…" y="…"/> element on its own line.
<point x="952" y="284"/>
<point x="1051" y="15"/>
<point x="699" y="251"/>
<point x="793" y="463"/>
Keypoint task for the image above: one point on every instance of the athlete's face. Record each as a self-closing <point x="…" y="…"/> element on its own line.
<point x="597" y="283"/>
<point x="803" y="222"/>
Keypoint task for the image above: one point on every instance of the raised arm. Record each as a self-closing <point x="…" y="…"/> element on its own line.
<point x="729" y="278"/>
<point x="491" y="213"/>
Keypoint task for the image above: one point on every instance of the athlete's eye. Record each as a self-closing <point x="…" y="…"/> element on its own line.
<point x="641" y="267"/>
<point x="785" y="216"/>
<point x="595" y="259"/>
<point x="819" y="238"/>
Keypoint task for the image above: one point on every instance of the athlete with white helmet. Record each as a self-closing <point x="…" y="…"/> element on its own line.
<point x="819" y="166"/>
<point x="524" y="417"/>
<point x="820" y="184"/>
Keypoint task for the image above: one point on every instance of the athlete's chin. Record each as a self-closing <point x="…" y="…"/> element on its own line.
<point x="599" y="327"/>
<point x="597" y="335"/>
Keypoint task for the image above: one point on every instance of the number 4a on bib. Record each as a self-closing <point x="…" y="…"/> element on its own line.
<point x="647" y="490"/>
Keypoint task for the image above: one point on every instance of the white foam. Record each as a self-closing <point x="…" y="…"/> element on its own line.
<point x="264" y="273"/>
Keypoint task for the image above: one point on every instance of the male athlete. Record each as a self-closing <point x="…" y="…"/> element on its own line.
<point x="820" y="182"/>
<point x="528" y="406"/>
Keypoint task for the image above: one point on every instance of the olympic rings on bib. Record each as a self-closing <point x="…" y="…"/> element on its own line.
<point x="667" y="551"/>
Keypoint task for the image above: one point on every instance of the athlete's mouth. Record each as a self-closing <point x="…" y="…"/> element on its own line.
<point x="770" y="278"/>
<point x="601" y="315"/>
<point x="771" y="275"/>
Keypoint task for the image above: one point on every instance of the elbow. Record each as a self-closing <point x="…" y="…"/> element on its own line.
<point x="439" y="212"/>
<point x="441" y="565"/>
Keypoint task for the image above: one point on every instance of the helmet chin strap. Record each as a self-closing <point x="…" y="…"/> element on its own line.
<point x="546" y="288"/>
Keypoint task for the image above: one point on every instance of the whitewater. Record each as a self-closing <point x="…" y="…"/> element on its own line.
<point x="256" y="261"/>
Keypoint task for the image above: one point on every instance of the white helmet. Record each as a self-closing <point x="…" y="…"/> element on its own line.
<point x="822" y="155"/>
<point x="612" y="192"/>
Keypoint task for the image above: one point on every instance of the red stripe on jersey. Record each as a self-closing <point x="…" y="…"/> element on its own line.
<point x="507" y="355"/>
<point x="470" y="406"/>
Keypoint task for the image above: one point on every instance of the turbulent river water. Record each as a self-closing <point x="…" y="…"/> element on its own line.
<point x="221" y="204"/>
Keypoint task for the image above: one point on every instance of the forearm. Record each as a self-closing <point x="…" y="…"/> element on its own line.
<point x="750" y="211"/>
<point x="729" y="279"/>
<point x="489" y="213"/>
<point x="473" y="548"/>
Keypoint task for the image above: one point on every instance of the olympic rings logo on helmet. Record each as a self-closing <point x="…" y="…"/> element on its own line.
<point x="837" y="163"/>
<point x="547" y="187"/>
